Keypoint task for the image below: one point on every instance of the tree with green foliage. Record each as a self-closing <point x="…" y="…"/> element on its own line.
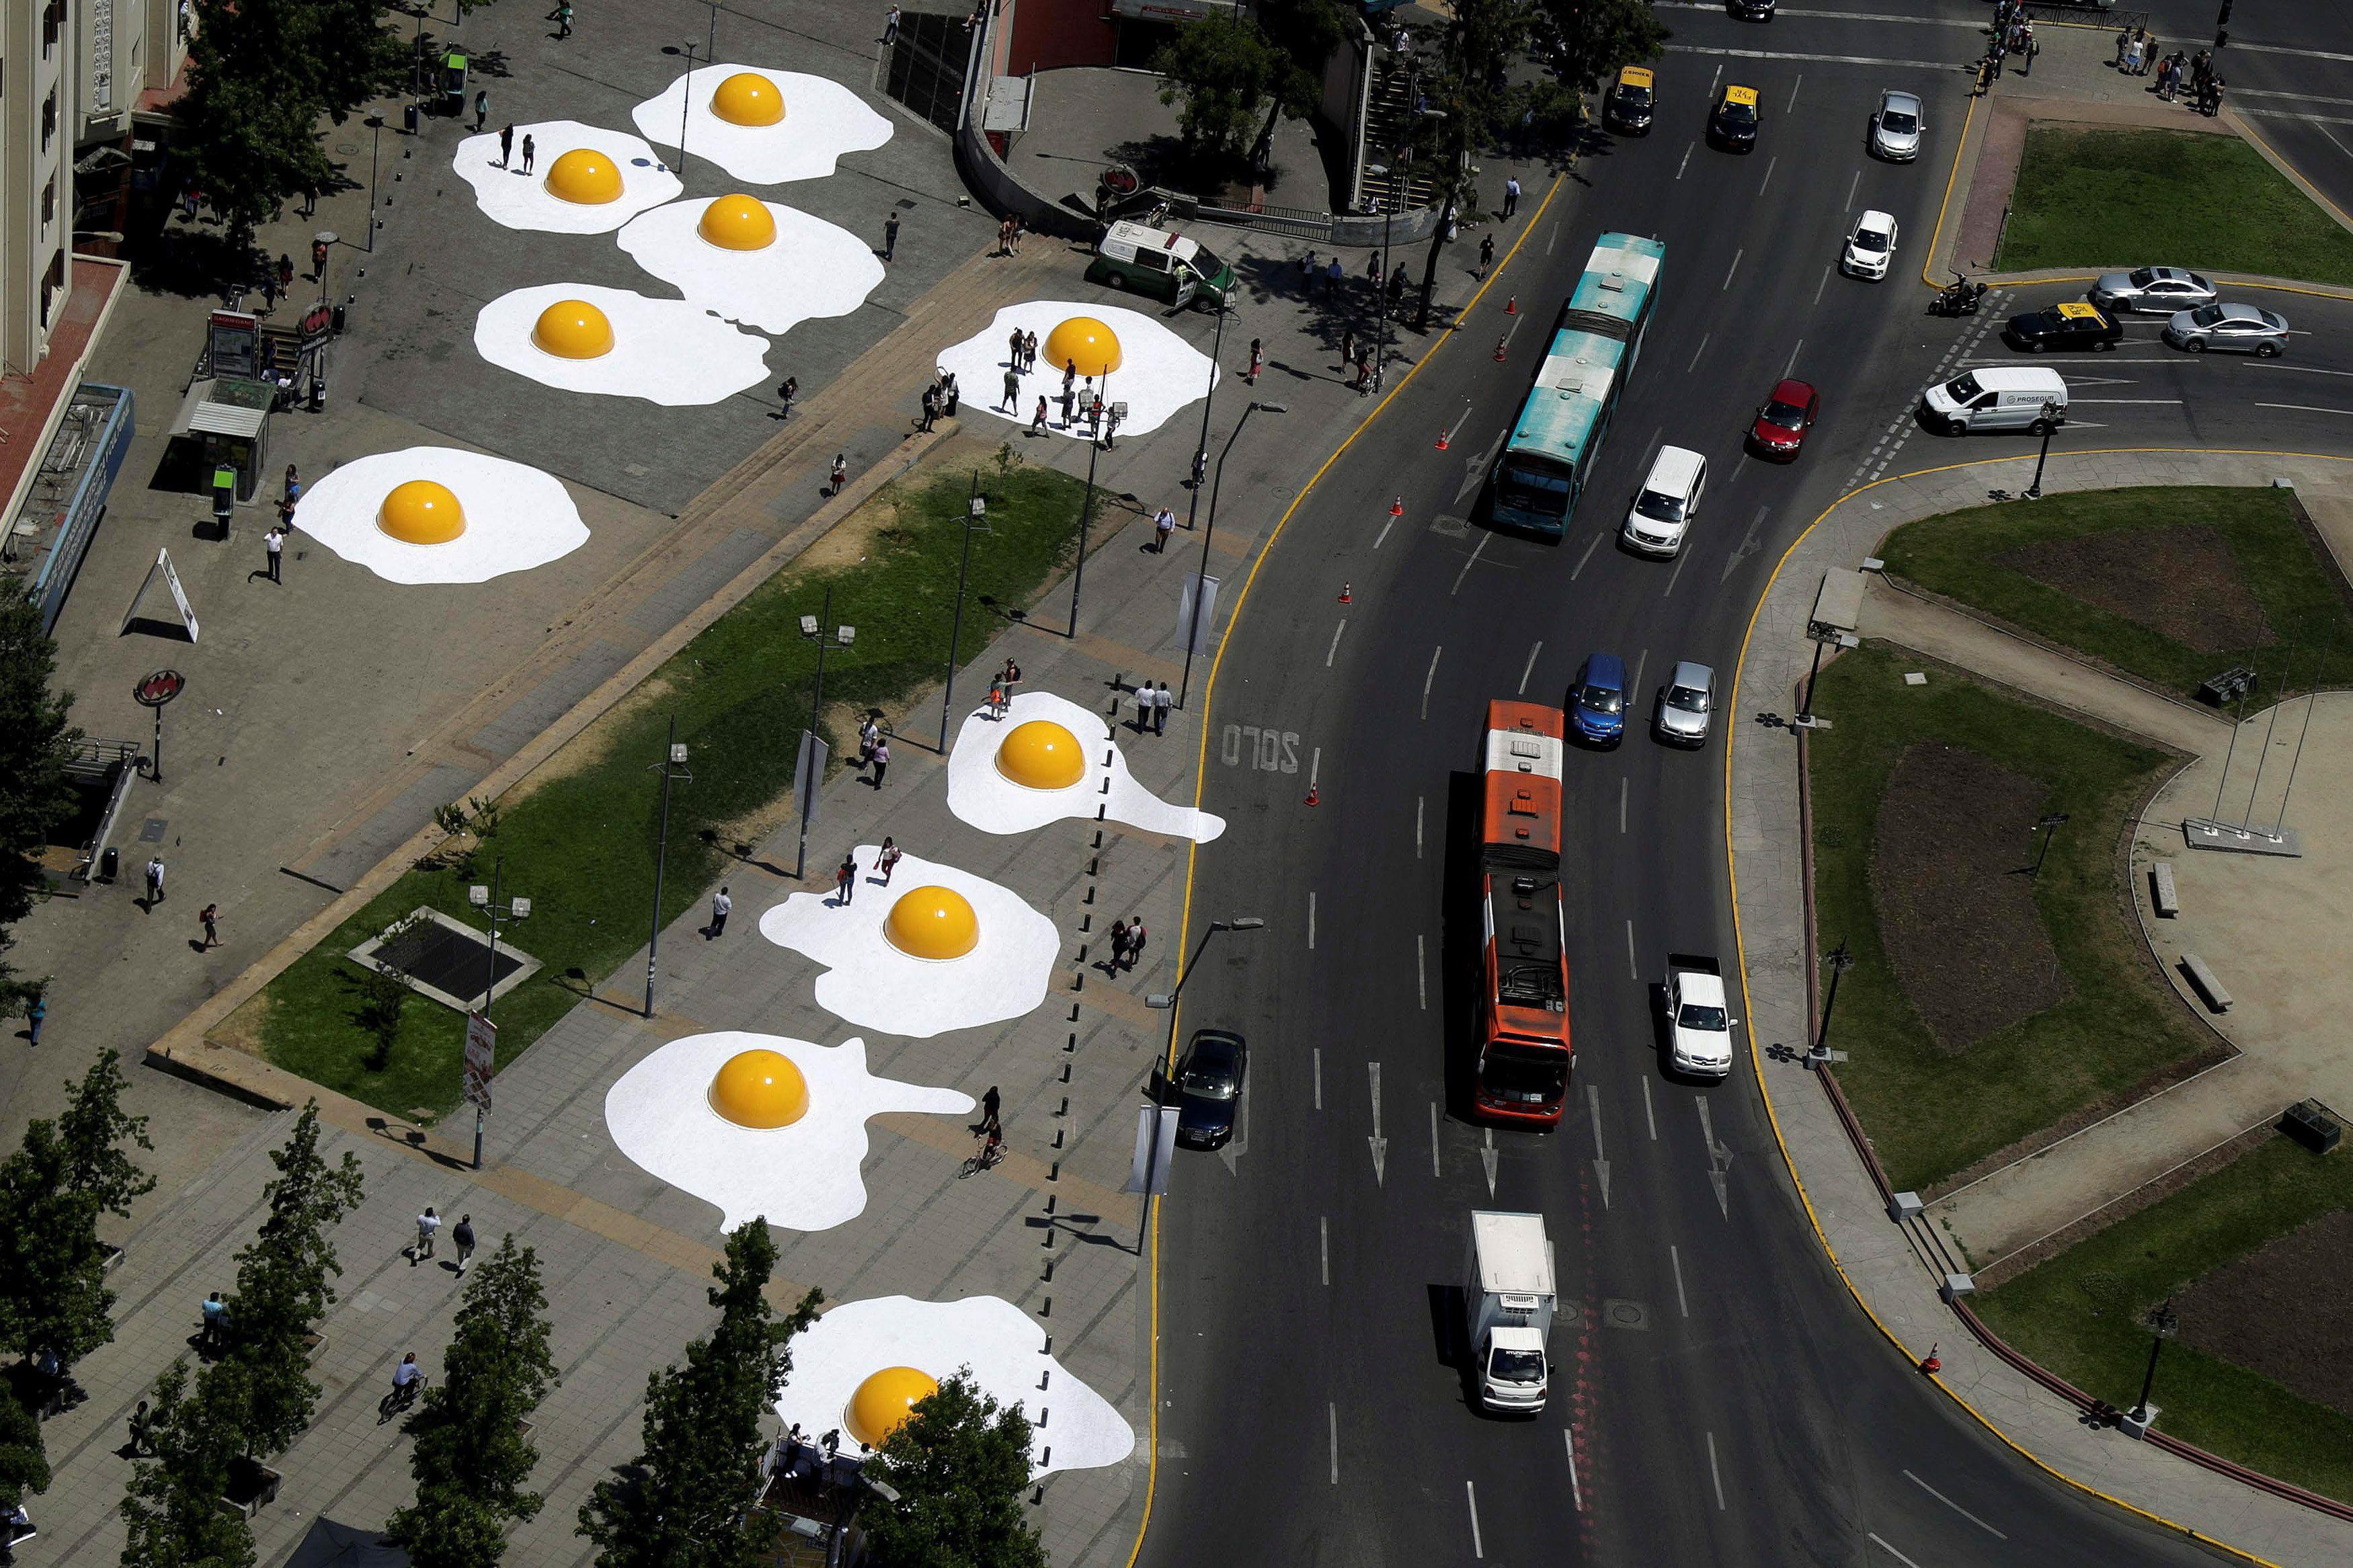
<point x="959" y="1464"/>
<point x="36" y="796"/>
<point x="53" y="1191"/>
<point x="1221" y="68"/>
<point x="1304" y="32"/>
<point x="1475" y="107"/>
<point x="283" y="1289"/>
<point x="173" y="1504"/>
<point x="1589" y="41"/>
<point x="471" y="1458"/>
<point x="24" y="1462"/>
<point x="686" y="1501"/>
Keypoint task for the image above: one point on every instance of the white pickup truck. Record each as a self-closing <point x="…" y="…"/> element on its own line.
<point x="1698" y="1019"/>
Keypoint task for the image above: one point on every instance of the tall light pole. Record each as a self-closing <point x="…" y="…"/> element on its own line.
<point x="1208" y="400"/>
<point x="1839" y="961"/>
<point x="1086" y="505"/>
<point x="818" y="629"/>
<point x="1201" y="573"/>
<point x="488" y="901"/>
<point x="975" y="513"/>
<point x="672" y="766"/>
<point x="686" y="91"/>
<point x="2162" y="1322"/>
<point x="2054" y="417"/>
<point x="1167" y="1002"/>
<point x="2049" y="824"/>
<point x="374" y="122"/>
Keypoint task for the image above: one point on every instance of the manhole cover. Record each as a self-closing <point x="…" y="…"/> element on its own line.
<point x="152" y="831"/>
<point x="1452" y="527"/>
<point x="1625" y="1315"/>
<point x="1568" y="1314"/>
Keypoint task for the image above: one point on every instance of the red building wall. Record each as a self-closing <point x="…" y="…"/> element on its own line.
<point x="1047" y="35"/>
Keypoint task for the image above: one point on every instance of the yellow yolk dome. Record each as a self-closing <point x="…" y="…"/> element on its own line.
<point x="932" y="923"/>
<point x="572" y="328"/>
<point x="884" y="1402"/>
<point x="584" y="175"/>
<point x="747" y="98"/>
<point x="738" y="223"/>
<point x="760" y="1089"/>
<point x="421" y="512"/>
<point x="1041" y="755"/>
<point x="1086" y="342"/>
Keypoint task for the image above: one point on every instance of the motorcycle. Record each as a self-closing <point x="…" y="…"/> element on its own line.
<point x="1958" y="298"/>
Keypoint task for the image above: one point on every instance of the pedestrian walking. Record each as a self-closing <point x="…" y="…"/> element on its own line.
<point x="990" y="1106"/>
<point x="464" y="1236"/>
<point x="1013" y="346"/>
<point x="210" y="918"/>
<point x="215" y="1322"/>
<point x="841" y="473"/>
<point x="506" y="145"/>
<point x="141" y="1444"/>
<point x="154" y="880"/>
<point x="1004" y="237"/>
<point x="1037" y="420"/>
<point x="1019" y="224"/>
<point x="35" y="1016"/>
<point x="1143" y="706"/>
<point x="887" y="861"/>
<point x="721" y="904"/>
<point x="1256" y="361"/>
<point x="1163" y="524"/>
<point x="1333" y="276"/>
<point x="891" y="27"/>
<point x="844" y="879"/>
<point x="881" y="764"/>
<point x="481" y="111"/>
<point x="273" y="546"/>
<point x="891" y="237"/>
<point x="1347" y="346"/>
<point x="1135" y="941"/>
<point x="1364" y="371"/>
<point x="1397" y="286"/>
<point x="1118" y="945"/>
<point x="1486" y="253"/>
<point x="1095" y="413"/>
<point x="787" y="390"/>
<point x="996" y="699"/>
<point x="285" y="272"/>
<point x="1373" y="271"/>
<point x="1110" y="426"/>
<point x="1161" y="703"/>
<point x="429" y="1225"/>
<point x="530" y="149"/>
<point x="562" y="17"/>
<point x="269" y="290"/>
<point x="870" y="735"/>
<point x="1511" y="196"/>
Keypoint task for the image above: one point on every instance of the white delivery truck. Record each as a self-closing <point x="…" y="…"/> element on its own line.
<point x="1508" y="1301"/>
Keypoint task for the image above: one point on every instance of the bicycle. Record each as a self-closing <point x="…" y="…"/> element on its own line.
<point x="992" y="1153"/>
<point x="398" y="1401"/>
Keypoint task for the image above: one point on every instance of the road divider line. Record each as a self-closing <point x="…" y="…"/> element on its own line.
<point x="1883" y="1545"/>
<point x="1417" y="801"/>
<point x="1817" y="59"/>
<point x="1641" y="659"/>
<point x="2303" y="408"/>
<point x="1822" y="285"/>
<point x="1680" y="556"/>
<point x="1433" y="1140"/>
<point x="1675" y="1259"/>
<point x="1478" y="550"/>
<point x="1621" y="802"/>
<point x="1311" y="921"/>
<point x="1793" y="359"/>
<point x="1851" y="186"/>
<point x="1633" y="969"/>
<point x="1421" y="970"/>
<point x="1472" y="1492"/>
<point x="1792" y="103"/>
<point x="1530" y="668"/>
<point x="1648" y="1119"/>
<point x="1554" y="237"/>
<point x="1332" y="1412"/>
<point x="1774" y="161"/>
<point x="1694" y="359"/>
<point x="1728" y="272"/>
<point x="1957" y="1507"/>
<point x="1429" y="676"/>
<point x="1686" y="163"/>
<point x="1323" y="1243"/>
<point x="1383" y="537"/>
<point x="1714" y="1474"/>
<point x="1576" y="1493"/>
<point x="1333" y="652"/>
<point x="1319" y="1078"/>
<point x="1586" y="557"/>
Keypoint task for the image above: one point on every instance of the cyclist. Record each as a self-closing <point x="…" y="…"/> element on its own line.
<point x="406" y="1379"/>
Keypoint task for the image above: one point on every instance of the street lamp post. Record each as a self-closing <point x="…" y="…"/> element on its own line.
<point x="814" y="629"/>
<point x="487" y="899"/>
<point x="686" y="89"/>
<point x="1201" y="573"/>
<point x="2053" y="416"/>
<point x="1168" y="1003"/>
<point x="2162" y="1321"/>
<point x="374" y="122"/>
<point x="2049" y="826"/>
<point x="975" y="511"/>
<point x="1208" y="399"/>
<point x="672" y="766"/>
<point x="1839" y="961"/>
<point x="1086" y="505"/>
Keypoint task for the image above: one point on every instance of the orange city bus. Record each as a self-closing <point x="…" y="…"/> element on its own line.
<point x="1521" y="1030"/>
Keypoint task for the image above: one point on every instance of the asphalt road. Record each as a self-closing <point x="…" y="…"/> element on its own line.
<point x="1719" y="1398"/>
<point x="2288" y="67"/>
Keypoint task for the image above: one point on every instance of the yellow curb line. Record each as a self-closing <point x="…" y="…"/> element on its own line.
<point x="1740" y="946"/>
<point x="1201" y="774"/>
<point x="1936" y="236"/>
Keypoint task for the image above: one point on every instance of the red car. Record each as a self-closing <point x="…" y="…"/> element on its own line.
<point x="1781" y="425"/>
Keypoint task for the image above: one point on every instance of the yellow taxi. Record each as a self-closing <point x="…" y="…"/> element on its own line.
<point x="1732" y="123"/>
<point x="1631" y="102"/>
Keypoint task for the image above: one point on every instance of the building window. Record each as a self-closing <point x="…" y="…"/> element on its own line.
<point x="53" y="21"/>
<point x="50" y="202"/>
<point x="52" y="286"/>
<point x="48" y="119"/>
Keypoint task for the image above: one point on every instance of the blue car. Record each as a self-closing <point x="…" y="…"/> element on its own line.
<point x="1597" y="700"/>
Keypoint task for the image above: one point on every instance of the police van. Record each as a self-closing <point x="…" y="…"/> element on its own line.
<point x="1156" y="262"/>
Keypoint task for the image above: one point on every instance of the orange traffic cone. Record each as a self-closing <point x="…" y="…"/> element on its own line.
<point x="1512" y="306"/>
<point x="1441" y="441"/>
<point x="1310" y="795"/>
<point x="1344" y="595"/>
<point x="1929" y="1363"/>
<point x="1499" y="348"/>
<point x="1397" y="507"/>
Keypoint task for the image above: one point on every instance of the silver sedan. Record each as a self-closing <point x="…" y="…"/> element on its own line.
<point x="2152" y="290"/>
<point x="1896" y="128"/>
<point x="1686" y="704"/>
<point x="2229" y="329"/>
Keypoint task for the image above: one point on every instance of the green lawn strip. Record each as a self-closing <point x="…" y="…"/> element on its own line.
<point x="2106" y="200"/>
<point x="2083" y="1315"/>
<point x="581" y="844"/>
<point x="1953" y="554"/>
<point x="1930" y="1113"/>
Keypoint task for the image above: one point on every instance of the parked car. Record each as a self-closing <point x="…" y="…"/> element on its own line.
<point x="2152" y="290"/>
<point x="1870" y="248"/>
<point x="1783" y="420"/>
<point x="1210" y="1077"/>
<point x="1597" y="700"/>
<point x="1733" y="121"/>
<point x="1631" y="102"/>
<point x="2073" y="325"/>
<point x="1897" y="127"/>
<point x="1686" y="705"/>
<point x="1162" y="264"/>
<point x="2229" y="329"/>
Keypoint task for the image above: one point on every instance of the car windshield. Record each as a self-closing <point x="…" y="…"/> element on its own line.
<point x="1788" y="415"/>
<point x="1896" y="122"/>
<point x="1515" y="1366"/>
<point x="1211" y="1079"/>
<point x="1634" y="97"/>
<point x="1206" y="264"/>
<point x="1599" y="699"/>
<point x="1963" y="388"/>
<point x="2206" y="316"/>
<point x="1695" y="1016"/>
<point x="2142" y="279"/>
<point x="1665" y="508"/>
<point x="1739" y="113"/>
<point x="1539" y="491"/>
<point x="1690" y="699"/>
<point x="1869" y="240"/>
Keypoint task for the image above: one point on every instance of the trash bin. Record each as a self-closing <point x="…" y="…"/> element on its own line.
<point x="408" y="118"/>
<point x="341" y="312"/>
<point x="110" y="862"/>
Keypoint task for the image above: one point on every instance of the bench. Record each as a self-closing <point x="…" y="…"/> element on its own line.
<point x="2228" y="686"/>
<point x="2161" y="894"/>
<point x="2204" y="979"/>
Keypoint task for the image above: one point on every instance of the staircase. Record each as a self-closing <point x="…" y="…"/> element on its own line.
<point x="1389" y="115"/>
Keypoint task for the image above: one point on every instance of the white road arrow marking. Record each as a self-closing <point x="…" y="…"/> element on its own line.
<point x="1487" y="1158"/>
<point x="1719" y="1160"/>
<point x="1748" y="545"/>
<point x="1380" y="1144"/>
<point x="1600" y="1166"/>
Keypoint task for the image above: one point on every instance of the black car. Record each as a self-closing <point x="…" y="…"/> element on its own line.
<point x="1733" y="121"/>
<point x="1209" y="1087"/>
<point x="1751" y="10"/>
<point x="2070" y="326"/>
<point x="1631" y="102"/>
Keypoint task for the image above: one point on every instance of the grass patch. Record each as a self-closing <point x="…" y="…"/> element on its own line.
<point x="1932" y="1111"/>
<point x="2083" y="1315"/>
<point x="2114" y="199"/>
<point x="580" y="843"/>
<point x="1958" y="554"/>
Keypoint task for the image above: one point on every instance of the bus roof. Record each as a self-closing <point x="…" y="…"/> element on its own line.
<point x="1618" y="277"/>
<point x="1569" y="395"/>
<point x="1522" y="756"/>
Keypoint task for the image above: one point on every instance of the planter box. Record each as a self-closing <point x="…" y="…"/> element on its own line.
<point x="252" y="1487"/>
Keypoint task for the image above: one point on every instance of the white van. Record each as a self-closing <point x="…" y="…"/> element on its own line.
<point x="1664" y="508"/>
<point x="2000" y="398"/>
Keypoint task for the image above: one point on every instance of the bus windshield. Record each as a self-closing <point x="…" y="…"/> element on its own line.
<point x="1526" y="487"/>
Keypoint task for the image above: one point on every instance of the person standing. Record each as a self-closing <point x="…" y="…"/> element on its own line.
<point x="216" y="1315"/>
<point x="1161" y="703"/>
<point x="273" y="547"/>
<point x="530" y="149"/>
<point x="210" y="917"/>
<point x="1333" y="276"/>
<point x="1013" y="351"/>
<point x="1028" y="351"/>
<point x="506" y="146"/>
<point x="990" y="1106"/>
<point x="891" y="237"/>
<point x="891" y="28"/>
<point x="887" y="861"/>
<point x="481" y="111"/>
<point x="930" y="408"/>
<point x="1486" y="253"/>
<point x="720" y="904"/>
<point x="1012" y="398"/>
<point x="1010" y="677"/>
<point x="789" y="389"/>
<point x="844" y="879"/>
<point x="841" y="472"/>
<point x="35" y="1016"/>
<point x="881" y="762"/>
<point x="1511" y="196"/>
<point x="155" y="881"/>
<point x="464" y="1236"/>
<point x="1256" y="361"/>
<point x="1135" y="941"/>
<point x="1118" y="945"/>
<point x="429" y="1225"/>
<point x="1373" y="271"/>
<point x="1163" y="524"/>
<point x="1143" y="706"/>
<point x="1004" y="237"/>
<point x="951" y="393"/>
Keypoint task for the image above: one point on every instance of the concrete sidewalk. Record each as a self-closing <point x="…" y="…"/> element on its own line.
<point x="1893" y="1271"/>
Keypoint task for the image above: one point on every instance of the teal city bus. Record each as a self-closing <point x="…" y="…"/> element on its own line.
<point x="1595" y="341"/>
